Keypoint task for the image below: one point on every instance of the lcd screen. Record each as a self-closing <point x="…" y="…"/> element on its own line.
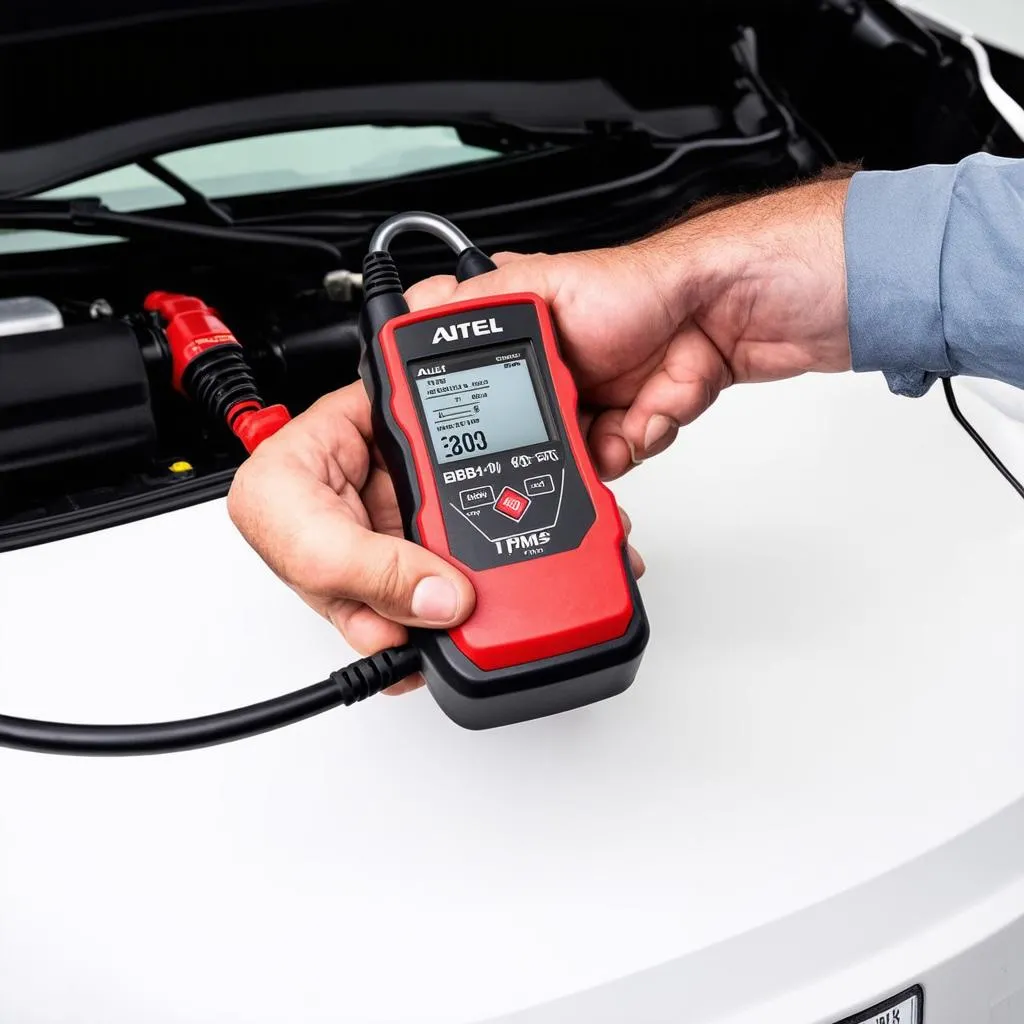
<point x="487" y="408"/>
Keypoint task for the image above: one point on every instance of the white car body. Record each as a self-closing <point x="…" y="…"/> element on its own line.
<point x="811" y="800"/>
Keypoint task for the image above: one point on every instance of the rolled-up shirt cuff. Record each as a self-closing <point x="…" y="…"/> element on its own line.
<point x="895" y="223"/>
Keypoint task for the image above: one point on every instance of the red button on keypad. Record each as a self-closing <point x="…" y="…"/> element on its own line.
<point x="512" y="504"/>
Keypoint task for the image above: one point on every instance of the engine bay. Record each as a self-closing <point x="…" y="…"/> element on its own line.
<point x="94" y="430"/>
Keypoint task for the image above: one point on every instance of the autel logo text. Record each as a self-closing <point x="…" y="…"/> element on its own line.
<point x="452" y="332"/>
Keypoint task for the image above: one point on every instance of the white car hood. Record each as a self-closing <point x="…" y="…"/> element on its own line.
<point x="833" y="689"/>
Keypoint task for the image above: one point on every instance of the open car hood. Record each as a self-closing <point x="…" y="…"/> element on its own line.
<point x="120" y="83"/>
<point x="563" y="133"/>
<point x="26" y="20"/>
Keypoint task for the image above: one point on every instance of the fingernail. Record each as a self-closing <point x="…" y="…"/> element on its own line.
<point x="658" y="427"/>
<point x="435" y="599"/>
<point x="632" y="452"/>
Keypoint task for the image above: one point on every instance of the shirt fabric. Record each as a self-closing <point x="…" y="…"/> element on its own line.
<point x="935" y="272"/>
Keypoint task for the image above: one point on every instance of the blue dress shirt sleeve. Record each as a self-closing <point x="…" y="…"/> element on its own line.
<point x="935" y="272"/>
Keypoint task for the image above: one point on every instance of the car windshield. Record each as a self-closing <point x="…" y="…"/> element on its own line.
<point x="279" y="162"/>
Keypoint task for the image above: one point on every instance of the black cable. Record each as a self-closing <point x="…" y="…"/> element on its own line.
<point x="747" y="55"/>
<point x="448" y="174"/>
<point x="91" y="217"/>
<point x="140" y="225"/>
<point x="585" y="192"/>
<point x="348" y="685"/>
<point x="954" y="408"/>
<point x="620" y="184"/>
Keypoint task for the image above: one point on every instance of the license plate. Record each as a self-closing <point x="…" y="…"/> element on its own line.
<point x="906" y="1008"/>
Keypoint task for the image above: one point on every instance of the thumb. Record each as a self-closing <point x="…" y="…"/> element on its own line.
<point x="321" y="546"/>
<point x="397" y="579"/>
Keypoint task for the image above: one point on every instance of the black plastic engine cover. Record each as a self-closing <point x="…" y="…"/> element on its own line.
<point x="74" y="394"/>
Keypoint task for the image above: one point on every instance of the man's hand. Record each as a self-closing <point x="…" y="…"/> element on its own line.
<point x="652" y="332"/>
<point x="655" y="330"/>
<point x="317" y="504"/>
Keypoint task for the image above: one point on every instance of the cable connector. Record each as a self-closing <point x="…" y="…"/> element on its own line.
<point x="382" y="295"/>
<point x="342" y="285"/>
<point x="473" y="262"/>
<point x="382" y="287"/>
<point x="208" y="365"/>
<point x="253" y="426"/>
<point x="82" y="211"/>
<point x="370" y="675"/>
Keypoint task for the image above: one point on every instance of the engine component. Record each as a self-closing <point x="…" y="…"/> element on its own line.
<point x="306" y="359"/>
<point x="28" y="314"/>
<point x="208" y="366"/>
<point x="76" y="394"/>
<point x="342" y="285"/>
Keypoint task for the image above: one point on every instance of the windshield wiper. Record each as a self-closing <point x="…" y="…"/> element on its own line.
<point x="449" y="173"/>
<point x="347" y="225"/>
<point x="206" y="208"/>
<point x="90" y="217"/>
<point x="333" y="238"/>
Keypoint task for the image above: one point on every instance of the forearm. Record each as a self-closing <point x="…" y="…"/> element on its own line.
<point x="764" y="279"/>
<point x="935" y="257"/>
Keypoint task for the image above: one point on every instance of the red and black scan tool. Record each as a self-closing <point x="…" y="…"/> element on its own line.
<point x="476" y="415"/>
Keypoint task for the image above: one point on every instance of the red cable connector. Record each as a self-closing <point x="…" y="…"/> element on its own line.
<point x="252" y="427"/>
<point x="192" y="329"/>
<point x="208" y="365"/>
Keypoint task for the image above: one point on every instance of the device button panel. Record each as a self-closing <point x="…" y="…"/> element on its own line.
<point x="512" y="511"/>
<point x="543" y="484"/>
<point x="500" y="509"/>
<point x="502" y="502"/>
